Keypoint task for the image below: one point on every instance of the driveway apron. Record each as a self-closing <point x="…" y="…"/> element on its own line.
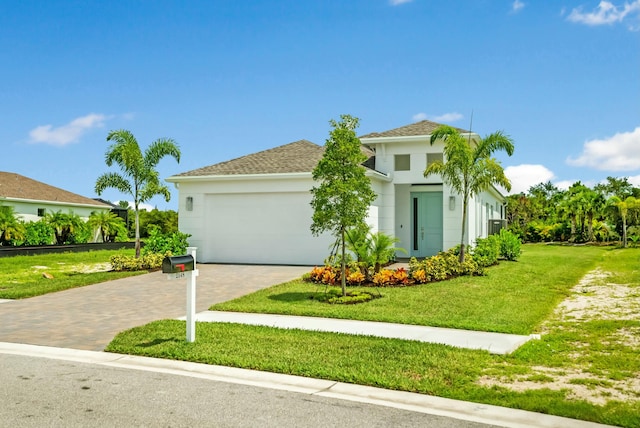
<point x="89" y="317"/>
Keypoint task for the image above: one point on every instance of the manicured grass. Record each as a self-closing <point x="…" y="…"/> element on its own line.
<point x="588" y="354"/>
<point x="22" y="276"/>
<point x="513" y="297"/>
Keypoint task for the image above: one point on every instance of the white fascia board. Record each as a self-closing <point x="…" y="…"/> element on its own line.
<point x="40" y="201"/>
<point x="406" y="139"/>
<point x="237" y="177"/>
<point x="378" y="175"/>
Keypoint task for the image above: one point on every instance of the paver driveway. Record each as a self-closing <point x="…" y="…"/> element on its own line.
<point x="89" y="317"/>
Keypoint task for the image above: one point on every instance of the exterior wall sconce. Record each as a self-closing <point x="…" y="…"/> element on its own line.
<point x="189" y="203"/>
<point x="452" y="203"/>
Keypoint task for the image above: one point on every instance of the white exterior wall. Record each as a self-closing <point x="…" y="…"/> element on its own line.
<point x="262" y="220"/>
<point x="28" y="210"/>
<point x="395" y="198"/>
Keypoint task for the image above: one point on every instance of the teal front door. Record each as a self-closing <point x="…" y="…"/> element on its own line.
<point x="426" y="223"/>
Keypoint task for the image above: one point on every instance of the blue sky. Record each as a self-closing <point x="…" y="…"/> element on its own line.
<point x="226" y="78"/>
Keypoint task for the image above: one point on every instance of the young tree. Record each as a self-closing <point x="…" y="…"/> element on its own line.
<point x="344" y="193"/>
<point x="139" y="178"/>
<point x="469" y="168"/>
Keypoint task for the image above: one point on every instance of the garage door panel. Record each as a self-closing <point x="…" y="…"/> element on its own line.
<point x="262" y="228"/>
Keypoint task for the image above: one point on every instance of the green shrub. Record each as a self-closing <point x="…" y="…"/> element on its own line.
<point x="486" y="251"/>
<point x="334" y="296"/>
<point x="509" y="245"/>
<point x="38" y="233"/>
<point x="159" y="243"/>
<point x="150" y="261"/>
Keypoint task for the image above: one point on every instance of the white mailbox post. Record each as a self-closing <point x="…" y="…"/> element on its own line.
<point x="185" y="267"/>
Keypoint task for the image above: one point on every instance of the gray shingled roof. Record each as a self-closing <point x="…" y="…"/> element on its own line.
<point x="299" y="156"/>
<point x="16" y="186"/>
<point x="424" y="127"/>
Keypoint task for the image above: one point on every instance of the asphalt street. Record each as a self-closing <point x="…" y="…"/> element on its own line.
<point x="39" y="392"/>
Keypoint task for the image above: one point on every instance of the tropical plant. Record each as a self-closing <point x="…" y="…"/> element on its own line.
<point x="344" y="194"/>
<point x="108" y="224"/>
<point x="510" y="245"/>
<point x="160" y="243"/>
<point x="469" y="168"/>
<point x="65" y="226"/>
<point x="624" y="207"/>
<point x="139" y="178"/>
<point x="38" y="233"/>
<point x="10" y="228"/>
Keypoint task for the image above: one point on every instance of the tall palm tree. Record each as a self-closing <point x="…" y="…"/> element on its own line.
<point x="139" y="178"/>
<point x="469" y="168"/>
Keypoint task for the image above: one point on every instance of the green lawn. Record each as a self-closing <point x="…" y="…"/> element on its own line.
<point x="513" y="297"/>
<point x="22" y="276"/>
<point x="596" y="359"/>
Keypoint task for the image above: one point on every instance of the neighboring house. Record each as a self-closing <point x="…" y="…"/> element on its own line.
<point x="32" y="199"/>
<point x="256" y="208"/>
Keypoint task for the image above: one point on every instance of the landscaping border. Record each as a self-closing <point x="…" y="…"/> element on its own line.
<point x="74" y="248"/>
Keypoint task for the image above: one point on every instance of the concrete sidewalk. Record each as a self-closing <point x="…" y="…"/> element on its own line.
<point x="495" y="343"/>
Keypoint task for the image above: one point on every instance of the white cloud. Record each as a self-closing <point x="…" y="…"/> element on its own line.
<point x="620" y="152"/>
<point x="635" y="180"/>
<point x="517" y="6"/>
<point x="142" y="206"/>
<point x="446" y="118"/>
<point x="399" y="2"/>
<point x="69" y="133"/>
<point x="605" y="13"/>
<point x="524" y="176"/>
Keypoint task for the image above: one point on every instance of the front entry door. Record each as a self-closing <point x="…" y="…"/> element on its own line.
<point x="426" y="223"/>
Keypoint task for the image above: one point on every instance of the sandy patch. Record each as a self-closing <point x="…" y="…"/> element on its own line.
<point x="92" y="268"/>
<point x="593" y="298"/>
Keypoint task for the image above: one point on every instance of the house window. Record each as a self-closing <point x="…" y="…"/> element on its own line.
<point x="40" y="212"/>
<point x="189" y="203"/>
<point x="433" y="157"/>
<point x="402" y="162"/>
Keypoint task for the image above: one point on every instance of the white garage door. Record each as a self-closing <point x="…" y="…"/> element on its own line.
<point x="263" y="228"/>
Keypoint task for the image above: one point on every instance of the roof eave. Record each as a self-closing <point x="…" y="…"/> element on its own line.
<point x="41" y="201"/>
<point x="405" y="139"/>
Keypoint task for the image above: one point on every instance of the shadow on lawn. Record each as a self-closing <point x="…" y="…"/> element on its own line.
<point x="157" y="342"/>
<point x="292" y="297"/>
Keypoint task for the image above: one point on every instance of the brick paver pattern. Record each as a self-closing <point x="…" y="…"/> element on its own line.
<point x="89" y="317"/>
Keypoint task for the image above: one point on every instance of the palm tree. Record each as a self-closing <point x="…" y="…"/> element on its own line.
<point x="10" y="228"/>
<point x="65" y="225"/>
<point x="470" y="168"/>
<point x="624" y="206"/>
<point x="139" y="178"/>
<point x="108" y="224"/>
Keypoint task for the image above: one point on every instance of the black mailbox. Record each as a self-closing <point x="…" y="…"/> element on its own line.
<point x="177" y="264"/>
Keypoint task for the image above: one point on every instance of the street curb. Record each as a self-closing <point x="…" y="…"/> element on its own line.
<point x="475" y="412"/>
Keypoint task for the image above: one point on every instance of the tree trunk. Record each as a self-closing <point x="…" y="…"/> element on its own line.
<point x="137" y="232"/>
<point x="343" y="280"/>
<point x="465" y="202"/>
<point x="624" y="231"/>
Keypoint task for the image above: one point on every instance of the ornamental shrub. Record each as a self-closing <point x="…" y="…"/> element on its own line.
<point x="509" y="245"/>
<point x="486" y="251"/>
<point x="120" y="262"/>
<point x="159" y="243"/>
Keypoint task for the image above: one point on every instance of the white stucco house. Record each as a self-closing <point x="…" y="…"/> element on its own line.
<point x="256" y="208"/>
<point x="32" y="199"/>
